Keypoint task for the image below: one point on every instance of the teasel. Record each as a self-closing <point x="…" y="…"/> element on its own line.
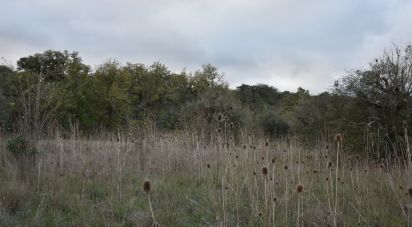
<point x="338" y="138"/>
<point x="147" y="186"/>
<point x="265" y="171"/>
<point x="299" y="188"/>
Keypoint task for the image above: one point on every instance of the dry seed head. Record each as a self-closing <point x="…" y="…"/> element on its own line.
<point x="299" y="188"/>
<point x="410" y="192"/>
<point x="265" y="171"/>
<point x="338" y="137"/>
<point x="220" y="117"/>
<point x="147" y="186"/>
<point x="155" y="224"/>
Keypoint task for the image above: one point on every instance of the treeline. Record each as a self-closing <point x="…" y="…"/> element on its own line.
<point x="371" y="107"/>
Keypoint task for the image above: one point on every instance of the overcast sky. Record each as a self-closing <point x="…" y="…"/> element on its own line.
<point x="283" y="43"/>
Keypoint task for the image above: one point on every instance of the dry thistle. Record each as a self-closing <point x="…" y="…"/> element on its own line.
<point x="410" y="192"/>
<point x="147" y="186"/>
<point x="220" y="117"/>
<point x="265" y="171"/>
<point x="208" y="165"/>
<point x="299" y="188"/>
<point x="338" y="138"/>
<point x="155" y="224"/>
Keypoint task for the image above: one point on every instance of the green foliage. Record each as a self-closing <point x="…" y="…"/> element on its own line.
<point x="384" y="92"/>
<point x="52" y="65"/>
<point x="55" y="89"/>
<point x="20" y="147"/>
<point x="274" y="125"/>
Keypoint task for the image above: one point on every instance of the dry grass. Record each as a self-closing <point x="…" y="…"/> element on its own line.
<point x="199" y="182"/>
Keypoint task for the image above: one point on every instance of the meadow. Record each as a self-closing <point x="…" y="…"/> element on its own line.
<point x="196" y="180"/>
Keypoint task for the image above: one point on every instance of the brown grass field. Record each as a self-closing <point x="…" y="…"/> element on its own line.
<point x="197" y="181"/>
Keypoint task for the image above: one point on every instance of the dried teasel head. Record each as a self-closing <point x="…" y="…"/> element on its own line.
<point x="410" y="192"/>
<point x="299" y="188"/>
<point x="220" y="117"/>
<point x="338" y="138"/>
<point x="265" y="171"/>
<point x="147" y="186"/>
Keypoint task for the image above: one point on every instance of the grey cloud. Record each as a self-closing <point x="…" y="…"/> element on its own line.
<point x="285" y="43"/>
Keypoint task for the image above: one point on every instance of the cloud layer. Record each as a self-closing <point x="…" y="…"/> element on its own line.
<point x="283" y="43"/>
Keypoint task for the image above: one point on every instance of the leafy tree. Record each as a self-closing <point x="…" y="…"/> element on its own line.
<point x="51" y="65"/>
<point x="112" y="83"/>
<point x="385" y="89"/>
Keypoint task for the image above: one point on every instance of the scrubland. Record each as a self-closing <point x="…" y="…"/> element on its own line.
<point x="199" y="181"/>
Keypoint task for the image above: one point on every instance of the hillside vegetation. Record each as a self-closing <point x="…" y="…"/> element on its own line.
<point x="136" y="145"/>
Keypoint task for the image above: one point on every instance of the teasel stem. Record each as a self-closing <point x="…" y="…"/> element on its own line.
<point x="151" y="208"/>
<point x="336" y="184"/>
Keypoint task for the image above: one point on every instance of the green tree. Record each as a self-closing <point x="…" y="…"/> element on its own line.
<point x="51" y="65"/>
<point x="385" y="89"/>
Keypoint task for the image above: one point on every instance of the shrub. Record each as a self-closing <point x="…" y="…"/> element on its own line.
<point x="274" y="125"/>
<point x="20" y="146"/>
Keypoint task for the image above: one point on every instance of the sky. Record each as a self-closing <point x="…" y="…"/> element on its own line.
<point x="282" y="43"/>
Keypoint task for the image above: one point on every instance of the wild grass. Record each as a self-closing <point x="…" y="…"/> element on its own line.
<point x="199" y="182"/>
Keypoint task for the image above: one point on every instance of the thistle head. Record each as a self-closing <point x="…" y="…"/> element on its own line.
<point x="265" y="171"/>
<point x="299" y="188"/>
<point x="147" y="186"/>
<point x="338" y="138"/>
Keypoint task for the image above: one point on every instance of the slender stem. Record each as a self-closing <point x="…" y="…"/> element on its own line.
<point x="336" y="186"/>
<point x="151" y="209"/>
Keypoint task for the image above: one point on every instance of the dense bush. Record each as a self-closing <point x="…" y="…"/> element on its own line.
<point x="372" y="103"/>
<point x="20" y="147"/>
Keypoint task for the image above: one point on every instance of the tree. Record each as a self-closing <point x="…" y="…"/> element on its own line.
<point x="52" y="65"/>
<point x="385" y="89"/>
